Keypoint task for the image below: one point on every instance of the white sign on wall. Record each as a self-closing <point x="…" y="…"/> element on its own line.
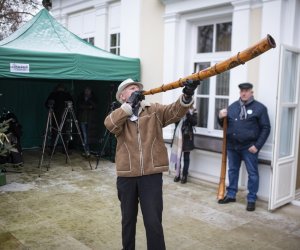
<point x="19" y="68"/>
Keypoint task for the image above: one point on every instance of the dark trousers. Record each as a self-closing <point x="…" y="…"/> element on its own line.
<point x="148" y="191"/>
<point x="186" y="164"/>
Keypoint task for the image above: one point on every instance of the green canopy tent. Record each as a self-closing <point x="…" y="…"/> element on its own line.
<point x="41" y="54"/>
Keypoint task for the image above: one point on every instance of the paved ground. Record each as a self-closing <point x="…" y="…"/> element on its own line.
<point x="79" y="210"/>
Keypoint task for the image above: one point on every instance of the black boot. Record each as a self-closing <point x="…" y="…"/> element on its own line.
<point x="184" y="179"/>
<point x="177" y="178"/>
<point x="250" y="206"/>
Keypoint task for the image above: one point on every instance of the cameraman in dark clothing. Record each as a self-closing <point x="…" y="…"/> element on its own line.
<point x="57" y="99"/>
<point x="60" y="96"/>
<point x="248" y="127"/>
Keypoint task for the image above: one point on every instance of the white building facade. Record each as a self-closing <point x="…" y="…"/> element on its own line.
<point x="175" y="38"/>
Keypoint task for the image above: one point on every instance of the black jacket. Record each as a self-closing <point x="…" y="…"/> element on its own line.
<point x="188" y="132"/>
<point x="86" y="109"/>
<point x="190" y="120"/>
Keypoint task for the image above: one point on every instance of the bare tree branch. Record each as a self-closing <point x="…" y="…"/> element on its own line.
<point x="14" y="13"/>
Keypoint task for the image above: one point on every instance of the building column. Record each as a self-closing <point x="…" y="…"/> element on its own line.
<point x="269" y="64"/>
<point x="169" y="65"/>
<point x="240" y="41"/>
<point x="130" y="28"/>
<point x="101" y="25"/>
<point x="170" y="53"/>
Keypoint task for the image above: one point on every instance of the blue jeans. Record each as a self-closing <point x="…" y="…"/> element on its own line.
<point x="84" y="130"/>
<point x="235" y="158"/>
<point x="146" y="190"/>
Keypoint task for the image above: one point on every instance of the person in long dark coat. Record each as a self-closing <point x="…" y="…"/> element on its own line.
<point x="183" y="144"/>
<point x="86" y="108"/>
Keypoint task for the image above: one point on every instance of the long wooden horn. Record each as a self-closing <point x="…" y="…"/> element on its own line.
<point x="262" y="46"/>
<point x="221" y="190"/>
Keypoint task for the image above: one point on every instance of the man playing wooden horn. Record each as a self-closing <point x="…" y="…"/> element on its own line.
<point x="141" y="157"/>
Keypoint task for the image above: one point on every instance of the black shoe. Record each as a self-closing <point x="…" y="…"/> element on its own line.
<point x="177" y="178"/>
<point x="184" y="179"/>
<point x="250" y="206"/>
<point x="226" y="200"/>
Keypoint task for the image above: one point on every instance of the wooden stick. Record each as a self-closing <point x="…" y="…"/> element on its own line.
<point x="221" y="190"/>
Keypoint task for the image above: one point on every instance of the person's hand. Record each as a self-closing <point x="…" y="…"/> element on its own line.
<point x="190" y="86"/>
<point x="253" y="149"/>
<point x="135" y="98"/>
<point x="222" y="113"/>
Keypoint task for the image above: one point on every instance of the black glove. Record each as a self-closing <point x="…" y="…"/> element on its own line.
<point x="190" y="86"/>
<point x="135" y="98"/>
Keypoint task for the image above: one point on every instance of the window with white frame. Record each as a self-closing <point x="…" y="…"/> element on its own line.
<point x="213" y="42"/>
<point x="115" y="43"/>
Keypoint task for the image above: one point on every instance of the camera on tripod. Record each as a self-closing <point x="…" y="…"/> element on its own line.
<point x="69" y="104"/>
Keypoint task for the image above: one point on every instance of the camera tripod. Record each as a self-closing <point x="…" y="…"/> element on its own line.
<point x="103" y="143"/>
<point x="51" y="116"/>
<point x="106" y="137"/>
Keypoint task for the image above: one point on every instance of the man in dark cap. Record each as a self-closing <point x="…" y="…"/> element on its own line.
<point x="248" y="127"/>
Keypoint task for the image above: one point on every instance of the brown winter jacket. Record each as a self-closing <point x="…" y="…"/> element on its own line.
<point x="140" y="146"/>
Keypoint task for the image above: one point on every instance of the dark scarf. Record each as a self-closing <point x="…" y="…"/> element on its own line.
<point x="243" y="113"/>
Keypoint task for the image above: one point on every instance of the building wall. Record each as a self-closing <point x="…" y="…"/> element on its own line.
<point x="142" y="34"/>
<point x="252" y="21"/>
<point x="89" y="18"/>
<point x="83" y="23"/>
<point x="152" y="46"/>
<point x="139" y="22"/>
<point x="162" y="34"/>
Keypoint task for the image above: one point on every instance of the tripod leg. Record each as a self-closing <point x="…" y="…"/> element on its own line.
<point x="80" y="135"/>
<point x="59" y="135"/>
<point x="45" y="140"/>
<point x="106" y="139"/>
